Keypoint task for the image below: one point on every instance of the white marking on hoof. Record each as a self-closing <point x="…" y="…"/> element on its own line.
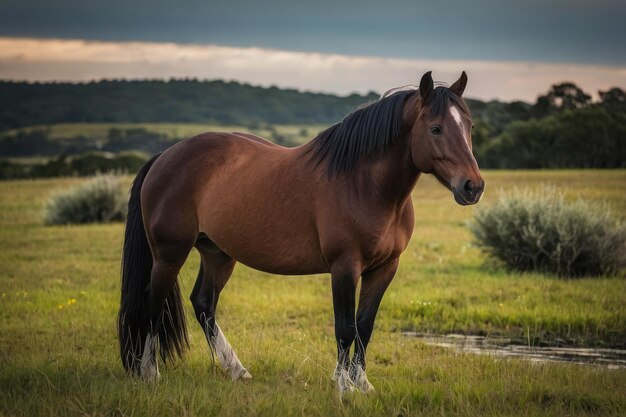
<point x="342" y="378"/>
<point x="242" y="374"/>
<point x="359" y="379"/>
<point x="227" y="356"/>
<point x="149" y="368"/>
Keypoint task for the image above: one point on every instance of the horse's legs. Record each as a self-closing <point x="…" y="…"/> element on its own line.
<point x="344" y="288"/>
<point x="170" y="257"/>
<point x="373" y="286"/>
<point x="215" y="271"/>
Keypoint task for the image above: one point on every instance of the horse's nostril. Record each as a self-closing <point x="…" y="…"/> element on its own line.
<point x="469" y="187"/>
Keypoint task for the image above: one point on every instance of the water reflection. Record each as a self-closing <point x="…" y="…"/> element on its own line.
<point x="503" y="347"/>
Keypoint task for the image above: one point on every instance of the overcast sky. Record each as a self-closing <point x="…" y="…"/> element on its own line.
<point x="511" y="48"/>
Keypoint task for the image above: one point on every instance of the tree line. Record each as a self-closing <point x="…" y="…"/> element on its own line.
<point x="188" y="100"/>
<point x="122" y="150"/>
<point x="39" y="142"/>
<point x="562" y="129"/>
<point x="83" y="165"/>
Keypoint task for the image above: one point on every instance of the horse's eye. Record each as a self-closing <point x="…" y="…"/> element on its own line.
<point x="473" y="126"/>
<point x="435" y="130"/>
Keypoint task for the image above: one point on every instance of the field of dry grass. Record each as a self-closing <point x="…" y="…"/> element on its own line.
<point x="59" y="289"/>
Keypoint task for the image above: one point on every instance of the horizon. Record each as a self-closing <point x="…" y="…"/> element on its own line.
<point x="43" y="60"/>
<point x="511" y="51"/>
<point x="241" y="83"/>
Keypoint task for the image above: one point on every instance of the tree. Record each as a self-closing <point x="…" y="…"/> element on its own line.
<point x="614" y="98"/>
<point x="563" y="96"/>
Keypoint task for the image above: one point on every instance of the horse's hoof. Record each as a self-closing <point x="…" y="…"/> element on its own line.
<point x="242" y="374"/>
<point x="359" y="378"/>
<point x="342" y="379"/>
<point x="367" y="388"/>
<point x="151" y="376"/>
<point x="363" y="385"/>
<point x="149" y="372"/>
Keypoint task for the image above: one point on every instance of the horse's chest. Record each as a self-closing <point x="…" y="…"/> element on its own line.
<point x="385" y="244"/>
<point x="381" y="241"/>
<point x="372" y="237"/>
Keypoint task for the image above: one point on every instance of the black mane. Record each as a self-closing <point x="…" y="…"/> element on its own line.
<point x="370" y="129"/>
<point x="365" y="131"/>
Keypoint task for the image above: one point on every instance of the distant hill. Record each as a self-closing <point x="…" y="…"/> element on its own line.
<point x="189" y="101"/>
<point x="25" y="104"/>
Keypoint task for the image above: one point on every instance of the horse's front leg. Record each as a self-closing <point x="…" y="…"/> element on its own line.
<point x="373" y="286"/>
<point x="344" y="280"/>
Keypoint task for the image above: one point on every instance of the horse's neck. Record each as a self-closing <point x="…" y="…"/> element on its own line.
<point x="392" y="175"/>
<point x="395" y="169"/>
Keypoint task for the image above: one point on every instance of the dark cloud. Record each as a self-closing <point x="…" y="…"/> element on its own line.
<point x="532" y="30"/>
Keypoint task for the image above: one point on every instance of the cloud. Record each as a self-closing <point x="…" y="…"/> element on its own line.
<point x="80" y="60"/>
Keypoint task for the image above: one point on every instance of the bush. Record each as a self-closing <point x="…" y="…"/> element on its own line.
<point x="98" y="200"/>
<point x="542" y="232"/>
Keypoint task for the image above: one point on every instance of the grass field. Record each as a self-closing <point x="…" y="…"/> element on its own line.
<point x="60" y="286"/>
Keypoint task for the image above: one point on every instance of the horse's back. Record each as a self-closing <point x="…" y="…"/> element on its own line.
<point x="255" y="138"/>
<point x="187" y="164"/>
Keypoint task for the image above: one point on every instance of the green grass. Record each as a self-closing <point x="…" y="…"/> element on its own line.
<point x="60" y="286"/>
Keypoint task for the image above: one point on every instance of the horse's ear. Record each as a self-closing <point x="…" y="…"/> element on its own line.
<point x="459" y="86"/>
<point x="426" y="84"/>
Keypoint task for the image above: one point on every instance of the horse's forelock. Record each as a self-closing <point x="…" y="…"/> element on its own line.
<point x="441" y="99"/>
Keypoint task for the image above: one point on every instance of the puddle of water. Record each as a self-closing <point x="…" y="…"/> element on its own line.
<point x="502" y="347"/>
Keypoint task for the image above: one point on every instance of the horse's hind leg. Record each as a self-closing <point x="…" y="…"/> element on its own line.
<point x="215" y="271"/>
<point x="165" y="312"/>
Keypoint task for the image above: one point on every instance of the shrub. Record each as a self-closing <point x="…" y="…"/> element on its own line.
<point x="542" y="232"/>
<point x="98" y="200"/>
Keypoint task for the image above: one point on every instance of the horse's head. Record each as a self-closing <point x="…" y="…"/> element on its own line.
<point x="441" y="139"/>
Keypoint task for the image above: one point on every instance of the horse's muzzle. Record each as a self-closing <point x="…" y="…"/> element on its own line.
<point x="469" y="193"/>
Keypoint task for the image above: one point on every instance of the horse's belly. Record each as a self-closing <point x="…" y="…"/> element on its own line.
<point x="283" y="264"/>
<point x="282" y="252"/>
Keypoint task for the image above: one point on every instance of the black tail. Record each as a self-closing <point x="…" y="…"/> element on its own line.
<point x="133" y="320"/>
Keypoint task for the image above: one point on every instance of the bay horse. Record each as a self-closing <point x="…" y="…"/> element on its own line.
<point x="339" y="204"/>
